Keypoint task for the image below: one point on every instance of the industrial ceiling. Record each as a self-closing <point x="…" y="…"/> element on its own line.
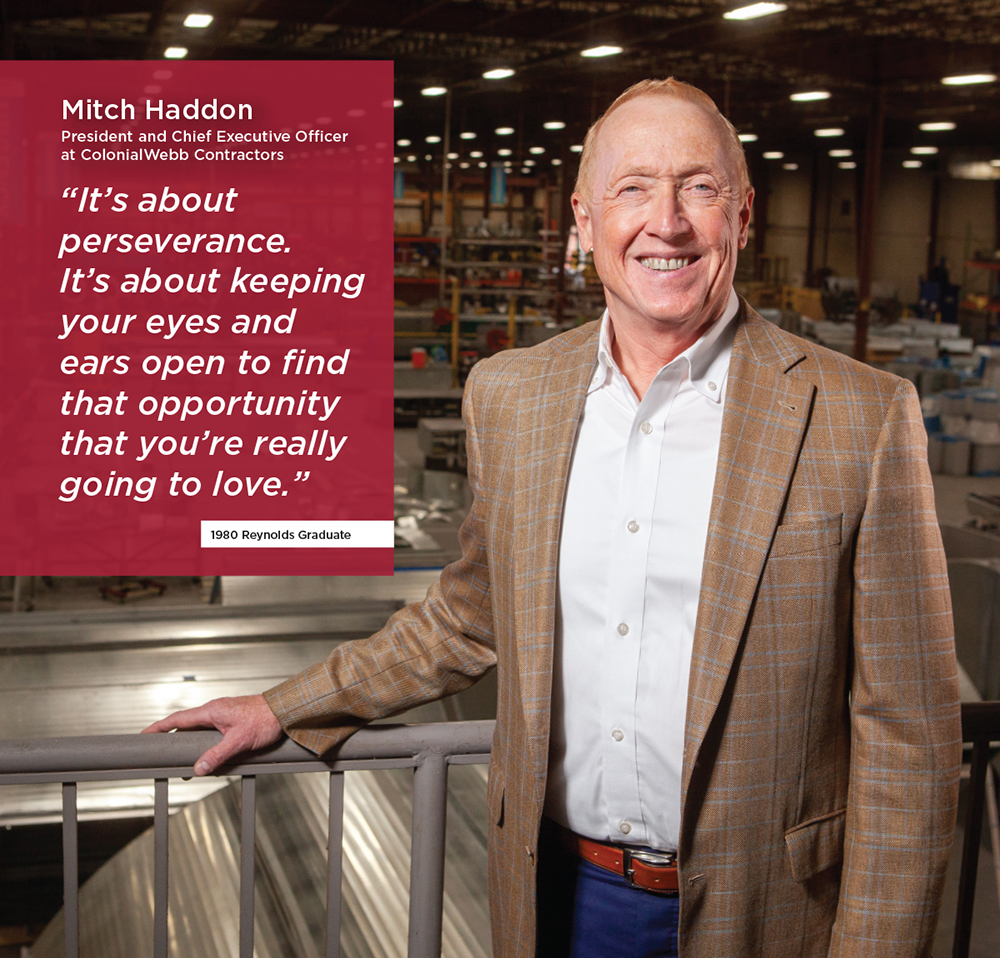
<point x="851" y="48"/>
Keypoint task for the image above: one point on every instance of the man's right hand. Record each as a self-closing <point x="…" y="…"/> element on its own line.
<point x="246" y="722"/>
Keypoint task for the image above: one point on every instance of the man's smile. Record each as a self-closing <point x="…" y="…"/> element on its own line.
<point x="667" y="265"/>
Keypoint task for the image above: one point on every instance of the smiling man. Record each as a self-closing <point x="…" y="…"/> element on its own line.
<point x="704" y="558"/>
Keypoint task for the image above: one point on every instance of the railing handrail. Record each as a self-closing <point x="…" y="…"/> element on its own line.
<point x="154" y="752"/>
<point x="428" y="749"/>
<point x="979" y="719"/>
<point x="147" y="754"/>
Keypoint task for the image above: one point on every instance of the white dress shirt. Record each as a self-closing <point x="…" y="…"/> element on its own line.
<point x="630" y="559"/>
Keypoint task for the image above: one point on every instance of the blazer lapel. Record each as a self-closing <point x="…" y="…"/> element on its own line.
<point x="762" y="430"/>
<point x="552" y="397"/>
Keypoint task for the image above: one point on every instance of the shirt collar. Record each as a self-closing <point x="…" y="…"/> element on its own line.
<point x="707" y="358"/>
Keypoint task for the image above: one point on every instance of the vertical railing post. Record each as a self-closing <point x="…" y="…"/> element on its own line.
<point x="430" y="798"/>
<point x="247" y="852"/>
<point x="334" y="864"/>
<point x="71" y="915"/>
<point x="161" y="851"/>
<point x="970" y="849"/>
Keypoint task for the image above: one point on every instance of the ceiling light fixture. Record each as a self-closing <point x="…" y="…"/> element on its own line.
<point x="836" y="153"/>
<point x="537" y="150"/>
<point x="557" y="162"/>
<point x="829" y="131"/>
<point x="773" y="155"/>
<point x="936" y="127"/>
<point x="452" y="156"/>
<point x="912" y="164"/>
<point x="468" y="135"/>
<point x="504" y="152"/>
<point x="482" y="164"/>
<point x="500" y="73"/>
<point x="175" y="53"/>
<point x="432" y="139"/>
<point x="808" y="95"/>
<point x="397" y="103"/>
<point x="605" y="50"/>
<point x="968" y="79"/>
<point x="411" y="158"/>
<point x="198" y="21"/>
<point x="434" y="91"/>
<point x="748" y="138"/>
<point x="402" y="142"/>
<point x="754" y="10"/>
<point x="923" y="150"/>
<point x="504" y="130"/>
<point x="576" y="148"/>
<point x="476" y="154"/>
<point x="847" y="165"/>
<point x="554" y="125"/>
<point x="789" y="166"/>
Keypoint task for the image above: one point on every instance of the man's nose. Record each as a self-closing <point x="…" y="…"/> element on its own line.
<point x="668" y="217"/>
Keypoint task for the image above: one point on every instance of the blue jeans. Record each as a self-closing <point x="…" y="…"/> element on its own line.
<point x="587" y="912"/>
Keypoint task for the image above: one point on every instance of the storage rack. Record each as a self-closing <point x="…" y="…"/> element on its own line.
<point x="520" y="275"/>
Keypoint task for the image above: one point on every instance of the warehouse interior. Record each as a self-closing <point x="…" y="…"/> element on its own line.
<point x="872" y="134"/>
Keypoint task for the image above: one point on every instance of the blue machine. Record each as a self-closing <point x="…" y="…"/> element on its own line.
<point x="938" y="295"/>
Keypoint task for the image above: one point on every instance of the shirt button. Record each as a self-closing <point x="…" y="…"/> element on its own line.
<point x="633" y="526"/>
<point x="618" y="735"/>
<point x="625" y="827"/>
<point x="647" y="428"/>
<point x="712" y="386"/>
<point x="622" y="628"/>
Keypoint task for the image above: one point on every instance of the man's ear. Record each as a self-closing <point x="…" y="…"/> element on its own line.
<point x="745" y="219"/>
<point x="583" y="223"/>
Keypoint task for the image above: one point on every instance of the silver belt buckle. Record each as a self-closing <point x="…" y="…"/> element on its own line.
<point x="655" y="859"/>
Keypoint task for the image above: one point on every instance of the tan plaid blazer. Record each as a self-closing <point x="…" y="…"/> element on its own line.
<point x="822" y="741"/>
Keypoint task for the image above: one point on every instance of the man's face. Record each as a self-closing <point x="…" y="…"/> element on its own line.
<point x="664" y="215"/>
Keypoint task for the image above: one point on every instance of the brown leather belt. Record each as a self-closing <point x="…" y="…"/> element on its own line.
<point x="641" y="868"/>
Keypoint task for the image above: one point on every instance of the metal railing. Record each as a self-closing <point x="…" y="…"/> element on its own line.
<point x="427" y="749"/>
<point x="981" y="727"/>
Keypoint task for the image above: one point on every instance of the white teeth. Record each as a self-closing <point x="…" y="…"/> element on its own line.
<point x="655" y="262"/>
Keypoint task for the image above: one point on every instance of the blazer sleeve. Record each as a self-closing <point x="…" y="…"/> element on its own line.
<point x="905" y="717"/>
<point x="426" y="651"/>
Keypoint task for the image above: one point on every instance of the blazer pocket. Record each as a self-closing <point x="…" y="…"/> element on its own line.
<point x="495" y="798"/>
<point x="816" y="845"/>
<point x="806" y="535"/>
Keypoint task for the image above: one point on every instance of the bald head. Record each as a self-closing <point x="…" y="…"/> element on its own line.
<point x="675" y="89"/>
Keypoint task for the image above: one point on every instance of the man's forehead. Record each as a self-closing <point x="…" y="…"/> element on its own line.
<point x="651" y="131"/>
